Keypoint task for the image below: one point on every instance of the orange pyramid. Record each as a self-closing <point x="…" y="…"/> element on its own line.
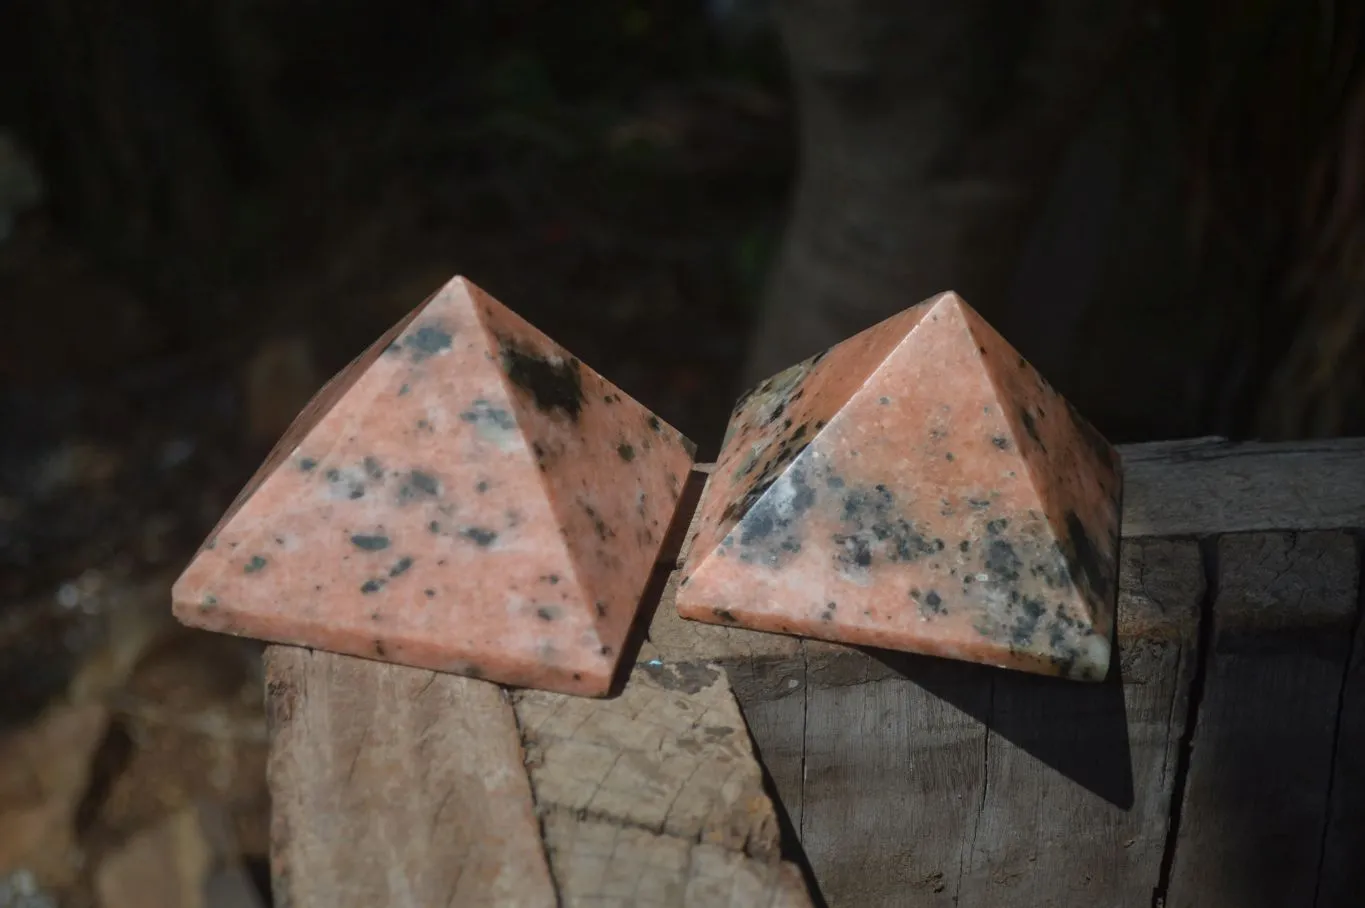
<point x="465" y="496"/>
<point x="918" y="487"/>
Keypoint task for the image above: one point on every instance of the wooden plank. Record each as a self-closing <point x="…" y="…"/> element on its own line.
<point x="400" y="787"/>
<point x="892" y="777"/>
<point x="1079" y="778"/>
<point x="1342" y="879"/>
<point x="655" y="798"/>
<point x="910" y="781"/>
<point x="934" y="783"/>
<point x="1256" y="799"/>
<point x="395" y="786"/>
<point x="1210" y="486"/>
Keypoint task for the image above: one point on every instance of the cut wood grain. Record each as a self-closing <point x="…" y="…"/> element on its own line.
<point x="397" y="787"/>
<point x="1342" y="880"/>
<point x="1256" y="799"/>
<point x="767" y="674"/>
<point x="655" y="798"/>
<point x="605" y="865"/>
<point x="670" y="756"/>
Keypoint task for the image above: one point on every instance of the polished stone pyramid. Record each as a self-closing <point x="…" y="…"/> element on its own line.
<point x="465" y="496"/>
<point x="918" y="487"/>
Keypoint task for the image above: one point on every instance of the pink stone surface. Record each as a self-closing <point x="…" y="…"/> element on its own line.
<point x="920" y="488"/>
<point x="465" y="497"/>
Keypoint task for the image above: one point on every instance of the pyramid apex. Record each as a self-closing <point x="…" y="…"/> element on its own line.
<point x="436" y="506"/>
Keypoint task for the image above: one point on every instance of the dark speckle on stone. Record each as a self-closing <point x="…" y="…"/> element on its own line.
<point x="883" y="400"/>
<point x="1002" y="561"/>
<point x="551" y="579"/>
<point x="333" y="475"/>
<point x="1095" y="569"/>
<point x="978" y="504"/>
<point x="481" y="486"/>
<point x="725" y="615"/>
<point x="552" y="385"/>
<point x="878" y="528"/>
<point x="934" y="602"/>
<point x="404" y="389"/>
<point x="418" y="485"/>
<point x="1001" y="442"/>
<point x="481" y="412"/>
<point x="370" y="543"/>
<point x="307" y="464"/>
<point x="255" y="564"/>
<point x="598" y="524"/>
<point x="548" y="612"/>
<point x="428" y="340"/>
<point x="479" y="536"/>
<point x="1031" y="428"/>
<point x="828" y="613"/>
<point x="373" y="468"/>
<point x="601" y="609"/>
<point x="430" y="593"/>
<point x="372" y="586"/>
<point x="653" y="423"/>
<point x="964" y="546"/>
<point x="209" y="601"/>
<point x="379" y="649"/>
<point x="434" y="526"/>
<point x="997" y="526"/>
<point x="400" y="566"/>
<point x="626" y="452"/>
<point x="1026" y="623"/>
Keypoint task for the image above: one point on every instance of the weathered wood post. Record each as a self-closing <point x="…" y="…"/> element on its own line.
<point x="1220" y="766"/>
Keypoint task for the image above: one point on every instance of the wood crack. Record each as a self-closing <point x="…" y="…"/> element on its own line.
<point x="1341" y="713"/>
<point x="1208" y="552"/>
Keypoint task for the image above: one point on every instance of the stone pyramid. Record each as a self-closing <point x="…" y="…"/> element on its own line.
<point x="918" y="487"/>
<point x="465" y="496"/>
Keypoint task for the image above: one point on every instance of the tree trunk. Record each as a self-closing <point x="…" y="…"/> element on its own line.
<point x="928" y="132"/>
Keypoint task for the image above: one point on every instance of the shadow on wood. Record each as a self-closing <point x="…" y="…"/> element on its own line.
<point x="1080" y="730"/>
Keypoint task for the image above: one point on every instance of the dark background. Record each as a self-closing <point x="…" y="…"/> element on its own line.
<point x="208" y="207"/>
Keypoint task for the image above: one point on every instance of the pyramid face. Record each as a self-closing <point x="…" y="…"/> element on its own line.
<point x="950" y="504"/>
<point x="465" y="497"/>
